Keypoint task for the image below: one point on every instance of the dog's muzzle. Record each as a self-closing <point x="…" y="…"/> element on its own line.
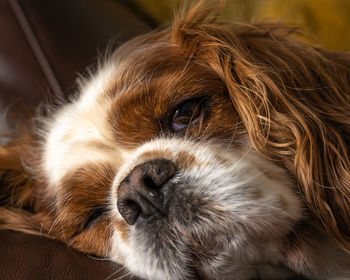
<point x="144" y="193"/>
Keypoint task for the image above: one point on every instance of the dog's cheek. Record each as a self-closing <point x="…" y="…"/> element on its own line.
<point x="82" y="194"/>
<point x="95" y="240"/>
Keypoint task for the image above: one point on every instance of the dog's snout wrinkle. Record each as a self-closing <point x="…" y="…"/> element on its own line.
<point x="143" y="193"/>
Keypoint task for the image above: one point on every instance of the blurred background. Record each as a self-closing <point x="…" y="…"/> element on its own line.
<point x="45" y="44"/>
<point x="324" y="22"/>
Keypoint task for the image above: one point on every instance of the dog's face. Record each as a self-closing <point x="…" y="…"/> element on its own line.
<point x="152" y="162"/>
<point x="194" y="152"/>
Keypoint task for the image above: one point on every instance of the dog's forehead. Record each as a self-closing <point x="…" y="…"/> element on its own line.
<point x="145" y="93"/>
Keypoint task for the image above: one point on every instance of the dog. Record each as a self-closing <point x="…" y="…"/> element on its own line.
<point x="203" y="150"/>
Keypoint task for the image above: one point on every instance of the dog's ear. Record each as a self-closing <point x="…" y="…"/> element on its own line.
<point x="17" y="185"/>
<point x="292" y="99"/>
<point x="21" y="205"/>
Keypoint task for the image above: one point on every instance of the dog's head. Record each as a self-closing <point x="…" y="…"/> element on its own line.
<point x="205" y="150"/>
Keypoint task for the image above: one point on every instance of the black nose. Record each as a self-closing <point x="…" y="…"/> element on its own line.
<point x="144" y="191"/>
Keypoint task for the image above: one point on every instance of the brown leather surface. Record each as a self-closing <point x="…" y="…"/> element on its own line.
<point x="71" y="32"/>
<point x="26" y="257"/>
<point x="43" y="45"/>
<point x="21" y="77"/>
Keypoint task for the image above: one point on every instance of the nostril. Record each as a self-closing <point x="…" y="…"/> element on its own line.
<point x="130" y="210"/>
<point x="142" y="192"/>
<point x="127" y="203"/>
<point x="132" y="205"/>
<point x="148" y="181"/>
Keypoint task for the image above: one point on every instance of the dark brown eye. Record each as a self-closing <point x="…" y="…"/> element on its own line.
<point x="188" y="113"/>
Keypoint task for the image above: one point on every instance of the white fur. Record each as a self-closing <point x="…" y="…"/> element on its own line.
<point x="230" y="179"/>
<point x="75" y="126"/>
<point x="223" y="183"/>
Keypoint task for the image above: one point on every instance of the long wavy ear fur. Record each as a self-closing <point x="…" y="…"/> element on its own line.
<point x="17" y="186"/>
<point x="21" y="204"/>
<point x="293" y="100"/>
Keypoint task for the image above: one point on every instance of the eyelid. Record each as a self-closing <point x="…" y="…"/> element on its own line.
<point x="178" y="127"/>
<point x="199" y="103"/>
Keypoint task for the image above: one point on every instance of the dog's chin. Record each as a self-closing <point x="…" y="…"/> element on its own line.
<point x="172" y="253"/>
<point x="225" y="215"/>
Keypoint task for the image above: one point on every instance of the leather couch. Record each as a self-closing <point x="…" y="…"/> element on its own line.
<point x="43" y="45"/>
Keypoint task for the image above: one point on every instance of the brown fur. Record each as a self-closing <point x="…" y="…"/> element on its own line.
<point x="88" y="189"/>
<point x="18" y="187"/>
<point x="292" y="101"/>
<point x="22" y="198"/>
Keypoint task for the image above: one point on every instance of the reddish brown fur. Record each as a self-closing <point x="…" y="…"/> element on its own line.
<point x="82" y="192"/>
<point x="18" y="186"/>
<point x="152" y="105"/>
<point x="22" y="194"/>
<point x="291" y="100"/>
<point x="294" y="103"/>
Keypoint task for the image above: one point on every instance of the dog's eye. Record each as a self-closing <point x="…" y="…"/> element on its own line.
<point x="94" y="217"/>
<point x="188" y="113"/>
